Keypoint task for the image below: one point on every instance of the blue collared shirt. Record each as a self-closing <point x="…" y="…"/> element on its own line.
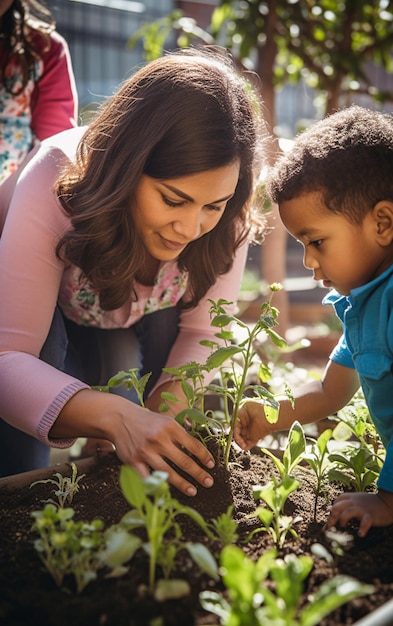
<point x="367" y="346"/>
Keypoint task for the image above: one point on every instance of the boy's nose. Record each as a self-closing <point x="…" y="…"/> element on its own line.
<point x="309" y="260"/>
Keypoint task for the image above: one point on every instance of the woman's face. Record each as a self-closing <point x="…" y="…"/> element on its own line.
<point x="170" y="213"/>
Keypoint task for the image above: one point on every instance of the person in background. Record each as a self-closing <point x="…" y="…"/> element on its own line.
<point x="38" y="96"/>
<point x="124" y="231"/>
<point x="334" y="190"/>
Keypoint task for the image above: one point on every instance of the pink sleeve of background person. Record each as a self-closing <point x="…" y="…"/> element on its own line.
<point x="54" y="105"/>
<point x="32" y="393"/>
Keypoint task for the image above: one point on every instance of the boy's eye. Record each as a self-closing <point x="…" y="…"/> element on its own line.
<point x="316" y="243"/>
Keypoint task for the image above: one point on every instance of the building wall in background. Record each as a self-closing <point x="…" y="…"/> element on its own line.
<point x="98" y="30"/>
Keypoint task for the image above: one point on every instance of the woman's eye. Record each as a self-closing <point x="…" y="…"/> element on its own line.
<point x="171" y="203"/>
<point x="212" y="207"/>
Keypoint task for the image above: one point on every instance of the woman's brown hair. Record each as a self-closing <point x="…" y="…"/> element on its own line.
<point x="25" y="30"/>
<point x="187" y="112"/>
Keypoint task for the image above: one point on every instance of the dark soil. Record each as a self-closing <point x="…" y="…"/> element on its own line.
<point x="29" y="597"/>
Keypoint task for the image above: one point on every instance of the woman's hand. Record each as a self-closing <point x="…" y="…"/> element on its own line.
<point x="97" y="446"/>
<point x="143" y="438"/>
<point x="152" y="440"/>
<point x="371" y="509"/>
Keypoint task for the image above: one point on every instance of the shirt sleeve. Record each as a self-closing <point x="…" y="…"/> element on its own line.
<point x="341" y="354"/>
<point x="195" y="324"/>
<point x="32" y="392"/>
<point x="54" y="105"/>
<point x="385" y="478"/>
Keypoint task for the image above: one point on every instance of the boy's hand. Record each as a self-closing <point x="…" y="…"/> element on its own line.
<point x="251" y="425"/>
<point x="371" y="509"/>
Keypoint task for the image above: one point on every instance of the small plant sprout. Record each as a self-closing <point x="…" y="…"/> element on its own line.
<point x="354" y="420"/>
<point x="130" y="379"/>
<point x="293" y="452"/>
<point x="356" y="468"/>
<point x="76" y="548"/>
<point x="66" y="488"/>
<point x="225" y="528"/>
<point x="269" y="591"/>
<point x="275" y="495"/>
<point x="155" y="510"/>
<point x="358" y="464"/>
<point x="197" y="417"/>
<point x="317" y="458"/>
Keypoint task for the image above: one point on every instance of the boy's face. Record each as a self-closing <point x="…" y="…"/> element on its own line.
<point x="341" y="254"/>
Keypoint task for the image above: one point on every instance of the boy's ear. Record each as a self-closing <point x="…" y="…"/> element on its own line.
<point x="383" y="218"/>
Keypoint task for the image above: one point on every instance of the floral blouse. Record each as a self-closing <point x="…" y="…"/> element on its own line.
<point x="80" y="304"/>
<point x="16" y="136"/>
<point x="47" y="105"/>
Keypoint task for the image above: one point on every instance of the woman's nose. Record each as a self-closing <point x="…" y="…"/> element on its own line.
<point x="189" y="226"/>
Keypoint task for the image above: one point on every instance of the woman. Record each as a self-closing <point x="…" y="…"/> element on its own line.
<point x="38" y="96"/>
<point x="125" y="230"/>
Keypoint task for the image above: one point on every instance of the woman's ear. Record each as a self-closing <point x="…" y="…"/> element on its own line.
<point x="383" y="219"/>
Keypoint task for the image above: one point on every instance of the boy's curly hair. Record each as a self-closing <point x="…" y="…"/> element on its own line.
<point x="348" y="157"/>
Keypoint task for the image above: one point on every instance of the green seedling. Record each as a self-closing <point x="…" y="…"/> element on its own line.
<point x="269" y="591"/>
<point x="195" y="414"/>
<point x="156" y="511"/>
<point x="339" y="543"/>
<point x="275" y="495"/>
<point x="67" y="547"/>
<point x="356" y="468"/>
<point x="317" y="458"/>
<point x="225" y="528"/>
<point x="358" y="464"/>
<point x="66" y="487"/>
<point x="293" y="452"/>
<point x="130" y="379"/>
<point x="76" y="548"/>
<point x="354" y="420"/>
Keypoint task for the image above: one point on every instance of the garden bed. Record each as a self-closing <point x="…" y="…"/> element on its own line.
<point x="29" y="597"/>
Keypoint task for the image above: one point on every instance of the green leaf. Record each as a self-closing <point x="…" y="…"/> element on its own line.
<point x="194" y="415"/>
<point x="222" y="320"/>
<point x="295" y="447"/>
<point x="276" y="339"/>
<point x="132" y="486"/>
<point x="271" y="413"/>
<point x="214" y="603"/>
<point x="171" y="589"/>
<point x="188" y="390"/>
<point x="266" y="516"/>
<point x="221" y="355"/>
<point x="169" y="397"/>
<point x="203" y="558"/>
<point x="331" y="595"/>
<point x="120" y="547"/>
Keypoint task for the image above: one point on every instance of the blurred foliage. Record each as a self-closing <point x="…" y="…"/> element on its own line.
<point x="328" y="44"/>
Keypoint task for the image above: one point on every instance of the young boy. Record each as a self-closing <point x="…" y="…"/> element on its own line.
<point x="335" y="195"/>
